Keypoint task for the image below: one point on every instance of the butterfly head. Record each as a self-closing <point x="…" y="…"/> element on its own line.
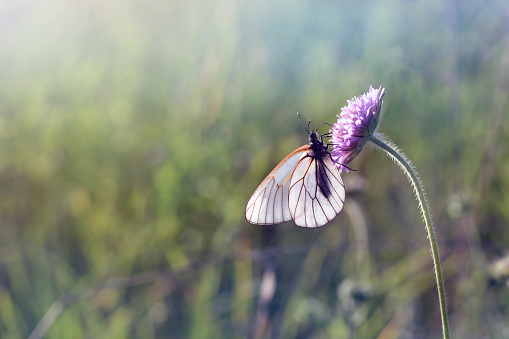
<point x="313" y="138"/>
<point x="316" y="144"/>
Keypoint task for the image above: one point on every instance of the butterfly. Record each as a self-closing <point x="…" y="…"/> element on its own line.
<point x="305" y="187"/>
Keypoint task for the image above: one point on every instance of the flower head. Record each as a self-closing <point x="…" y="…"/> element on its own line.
<point x="356" y="124"/>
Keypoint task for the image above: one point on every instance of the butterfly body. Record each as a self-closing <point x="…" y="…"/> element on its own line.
<point x="318" y="151"/>
<point x="304" y="187"/>
<point x="317" y="145"/>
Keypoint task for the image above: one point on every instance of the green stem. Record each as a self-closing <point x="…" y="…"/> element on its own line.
<point x="399" y="158"/>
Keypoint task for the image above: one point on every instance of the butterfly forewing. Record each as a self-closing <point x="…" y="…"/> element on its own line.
<point x="269" y="203"/>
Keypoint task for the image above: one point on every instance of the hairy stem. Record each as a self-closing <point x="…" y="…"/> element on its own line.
<point x="400" y="159"/>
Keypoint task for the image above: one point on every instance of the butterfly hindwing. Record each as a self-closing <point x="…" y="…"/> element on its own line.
<point x="317" y="192"/>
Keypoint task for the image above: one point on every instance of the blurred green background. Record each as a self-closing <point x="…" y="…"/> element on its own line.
<point x="132" y="134"/>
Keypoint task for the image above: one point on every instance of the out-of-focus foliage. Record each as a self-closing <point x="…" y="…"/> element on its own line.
<point x="133" y="132"/>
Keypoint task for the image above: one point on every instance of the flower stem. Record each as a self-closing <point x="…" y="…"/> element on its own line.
<point x="400" y="159"/>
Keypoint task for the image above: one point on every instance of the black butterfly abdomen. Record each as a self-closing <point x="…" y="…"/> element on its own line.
<point x="320" y="151"/>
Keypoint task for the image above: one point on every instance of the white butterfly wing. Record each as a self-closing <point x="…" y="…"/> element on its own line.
<point x="269" y="203"/>
<point x="317" y="192"/>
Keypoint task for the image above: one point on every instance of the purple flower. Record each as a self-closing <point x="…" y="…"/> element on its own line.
<point x="356" y="124"/>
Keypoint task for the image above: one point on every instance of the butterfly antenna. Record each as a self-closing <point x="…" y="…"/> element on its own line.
<point x="307" y="129"/>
